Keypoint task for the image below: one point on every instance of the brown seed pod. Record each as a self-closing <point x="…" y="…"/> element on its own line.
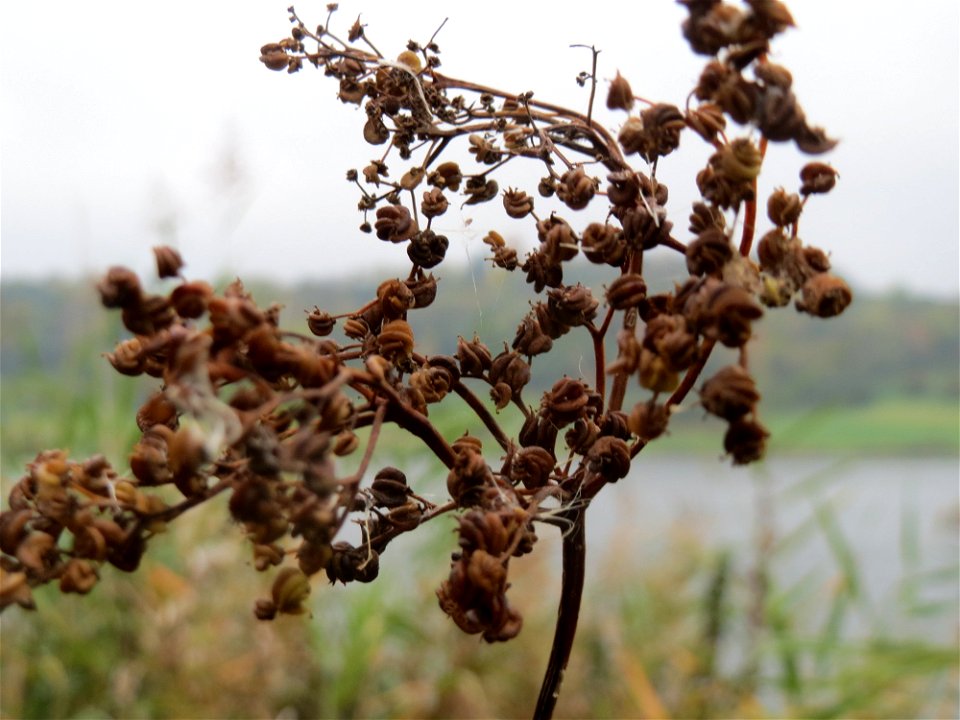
<point x="609" y="457"/>
<point x="655" y="372"/>
<point x="374" y="131"/>
<point x="389" y="488"/>
<point x="745" y="441"/>
<point x="169" y="261"/>
<point x="120" y="288"/>
<point x="508" y="367"/>
<point x="817" y="177"/>
<point x="620" y="95"/>
<point x="784" y="208"/>
<point x="703" y="217"/>
<point x="395" y="299"/>
<point x="603" y="243"/>
<point x="157" y="410"/>
<point x="517" y="203"/>
<point x="531" y="467"/>
<point x="739" y="161"/>
<point x="395" y="341"/>
<point x="566" y="401"/>
<point x="474" y="357"/>
<point x="479" y="190"/>
<point x="648" y="420"/>
<point x="626" y="291"/>
<point x="530" y="339"/>
<point x="576" y="188"/>
<point x="394" y="223"/>
<point x="708" y="254"/>
<point x="275" y="58"/>
<point x="824" y="295"/>
<point x="707" y="121"/>
<point x="446" y="175"/>
<point x="427" y="249"/>
<point x="731" y="393"/>
<point x="79" y="576"/>
<point x="434" y="203"/>
<point x="189" y="299"/>
<point x="572" y="305"/>
<point x="320" y="323"/>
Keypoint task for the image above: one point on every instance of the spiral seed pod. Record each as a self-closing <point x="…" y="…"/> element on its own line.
<point x="531" y="467"/>
<point x="189" y="299"/>
<point x="730" y="394"/>
<point x="576" y="188"/>
<point x="356" y="328"/>
<point x="530" y="339"/>
<point x="79" y="576"/>
<point x="274" y="57"/>
<point x="603" y="243"/>
<point x="609" y="457"/>
<point x="824" y="295"/>
<point x="566" y="401"/>
<point x="474" y="357"/>
<point x="784" y="208"/>
<point x="427" y="249"/>
<point x="739" y="161"/>
<point x="572" y="306"/>
<point x="446" y="176"/>
<point x="434" y="203"/>
<point x="395" y="299"/>
<point x="517" y="203"/>
<point x="620" y="95"/>
<point x="707" y="121"/>
<point x="389" y="488"/>
<point x="729" y="312"/>
<point x="817" y="177"/>
<point x="433" y="382"/>
<point x="508" y="367"/>
<point x="320" y="323"/>
<point x="648" y="420"/>
<point x="169" y="261"/>
<point x="662" y="124"/>
<point x="626" y="291"/>
<point x="120" y="288"/>
<point x="745" y="441"/>
<point x="395" y="341"/>
<point x="394" y="223"/>
<point x="708" y="254"/>
<point x="479" y="190"/>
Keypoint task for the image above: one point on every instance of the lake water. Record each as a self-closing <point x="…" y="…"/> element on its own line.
<point x="897" y="520"/>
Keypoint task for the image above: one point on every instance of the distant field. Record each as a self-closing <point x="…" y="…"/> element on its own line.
<point x="899" y="426"/>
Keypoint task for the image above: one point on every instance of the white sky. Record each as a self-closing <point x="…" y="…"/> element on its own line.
<point x="123" y="125"/>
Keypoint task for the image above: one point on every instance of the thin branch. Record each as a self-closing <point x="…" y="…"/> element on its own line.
<point x="481" y="411"/>
<point x="593" y="80"/>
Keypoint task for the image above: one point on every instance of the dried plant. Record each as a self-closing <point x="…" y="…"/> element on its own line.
<point x="247" y="409"/>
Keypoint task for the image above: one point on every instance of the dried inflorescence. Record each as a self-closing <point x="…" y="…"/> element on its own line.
<point x="260" y="414"/>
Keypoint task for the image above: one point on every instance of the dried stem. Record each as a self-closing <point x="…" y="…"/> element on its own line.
<point x="568" y="614"/>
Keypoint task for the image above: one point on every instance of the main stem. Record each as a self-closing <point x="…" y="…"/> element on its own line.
<point x="571" y="592"/>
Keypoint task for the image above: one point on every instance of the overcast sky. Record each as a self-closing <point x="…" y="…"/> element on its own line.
<point x="123" y="125"/>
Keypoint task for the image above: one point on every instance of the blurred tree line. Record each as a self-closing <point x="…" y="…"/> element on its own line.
<point x="886" y="346"/>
